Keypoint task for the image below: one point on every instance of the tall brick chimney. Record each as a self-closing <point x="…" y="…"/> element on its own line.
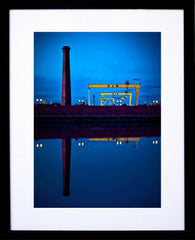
<point x="66" y="89"/>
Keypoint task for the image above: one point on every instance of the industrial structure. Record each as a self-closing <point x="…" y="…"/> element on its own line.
<point x="125" y="86"/>
<point x="66" y="87"/>
<point x="103" y="100"/>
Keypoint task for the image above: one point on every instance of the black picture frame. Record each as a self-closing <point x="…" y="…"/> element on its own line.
<point x="189" y="75"/>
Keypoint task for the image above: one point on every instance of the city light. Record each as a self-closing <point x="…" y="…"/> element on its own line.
<point x="81" y="143"/>
<point x="41" y="100"/>
<point x="39" y="145"/>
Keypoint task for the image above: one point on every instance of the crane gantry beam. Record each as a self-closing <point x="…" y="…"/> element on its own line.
<point x="136" y="86"/>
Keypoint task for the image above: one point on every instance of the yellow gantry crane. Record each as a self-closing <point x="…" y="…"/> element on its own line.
<point x="104" y="100"/>
<point x="127" y="85"/>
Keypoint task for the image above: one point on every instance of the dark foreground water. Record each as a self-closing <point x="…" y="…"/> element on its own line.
<point x="97" y="172"/>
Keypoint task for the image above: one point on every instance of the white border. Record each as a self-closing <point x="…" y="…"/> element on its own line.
<point x="23" y="24"/>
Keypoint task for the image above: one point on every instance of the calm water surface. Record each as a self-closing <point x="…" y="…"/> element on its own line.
<point x="97" y="172"/>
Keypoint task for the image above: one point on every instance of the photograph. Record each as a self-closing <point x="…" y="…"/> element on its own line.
<point x="97" y="119"/>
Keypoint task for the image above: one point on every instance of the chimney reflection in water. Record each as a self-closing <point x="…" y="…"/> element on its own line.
<point x="66" y="155"/>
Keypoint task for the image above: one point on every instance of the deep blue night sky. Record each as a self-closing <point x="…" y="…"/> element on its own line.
<point x="97" y="58"/>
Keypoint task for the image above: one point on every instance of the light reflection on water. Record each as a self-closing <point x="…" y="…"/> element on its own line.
<point x="97" y="172"/>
